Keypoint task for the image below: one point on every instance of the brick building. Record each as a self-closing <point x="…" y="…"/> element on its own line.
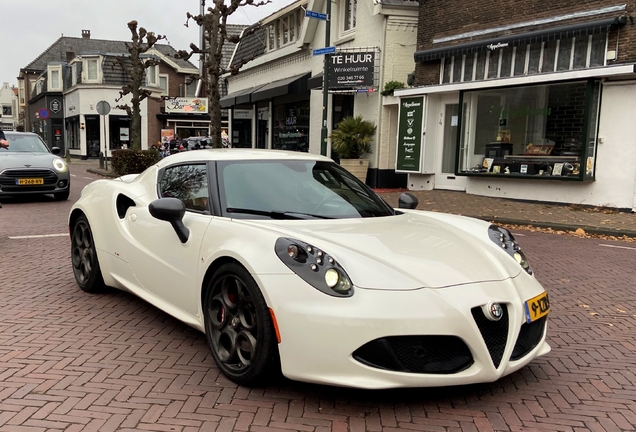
<point x="529" y="100"/>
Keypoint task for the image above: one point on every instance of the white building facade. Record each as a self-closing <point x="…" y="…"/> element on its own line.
<point x="9" y="105"/>
<point x="276" y="99"/>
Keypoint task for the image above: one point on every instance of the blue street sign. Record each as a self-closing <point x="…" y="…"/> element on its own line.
<point x="316" y="15"/>
<point x="326" y="50"/>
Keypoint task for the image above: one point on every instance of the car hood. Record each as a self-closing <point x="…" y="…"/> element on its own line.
<point x="408" y="251"/>
<point x="20" y="159"/>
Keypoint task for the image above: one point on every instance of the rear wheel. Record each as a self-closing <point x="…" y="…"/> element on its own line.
<point x="88" y="275"/>
<point x="239" y="327"/>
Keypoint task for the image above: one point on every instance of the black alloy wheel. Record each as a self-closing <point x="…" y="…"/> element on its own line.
<point x="88" y="275"/>
<point x="238" y="326"/>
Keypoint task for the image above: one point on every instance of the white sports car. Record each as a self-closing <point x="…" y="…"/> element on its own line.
<point x="287" y="262"/>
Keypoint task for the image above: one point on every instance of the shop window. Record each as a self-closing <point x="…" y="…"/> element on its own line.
<point x="291" y="126"/>
<point x="580" y="52"/>
<point x="545" y="131"/>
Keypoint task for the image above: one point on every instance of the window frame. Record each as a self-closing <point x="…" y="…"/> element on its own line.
<point x="86" y="61"/>
<point x="166" y="91"/>
<point x="348" y="22"/>
<point x="51" y="70"/>
<point x="211" y="185"/>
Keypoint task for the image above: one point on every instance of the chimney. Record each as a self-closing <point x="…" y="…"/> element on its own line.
<point x="86" y="34"/>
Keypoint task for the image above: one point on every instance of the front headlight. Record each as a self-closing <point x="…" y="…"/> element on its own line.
<point x="507" y="242"/>
<point x="60" y="165"/>
<point x="314" y="266"/>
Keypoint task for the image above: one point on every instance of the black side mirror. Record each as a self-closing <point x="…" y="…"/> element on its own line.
<point x="407" y="201"/>
<point x="55" y="150"/>
<point x="171" y="210"/>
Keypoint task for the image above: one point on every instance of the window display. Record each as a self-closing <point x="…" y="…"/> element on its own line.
<point x="291" y="126"/>
<point x="546" y="131"/>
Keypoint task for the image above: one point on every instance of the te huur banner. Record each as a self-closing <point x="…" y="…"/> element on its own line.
<point x="351" y="70"/>
<point x="410" y="134"/>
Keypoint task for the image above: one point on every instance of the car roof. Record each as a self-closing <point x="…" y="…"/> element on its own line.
<point x="235" y="154"/>
<point x="19" y="133"/>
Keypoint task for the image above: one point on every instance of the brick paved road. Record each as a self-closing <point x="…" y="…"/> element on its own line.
<point x="77" y="362"/>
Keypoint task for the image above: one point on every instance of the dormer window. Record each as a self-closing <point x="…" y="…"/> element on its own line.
<point x="54" y="78"/>
<point x="284" y="30"/>
<point x="91" y="70"/>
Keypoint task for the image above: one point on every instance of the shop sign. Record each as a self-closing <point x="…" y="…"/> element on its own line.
<point x="409" y="145"/>
<point x="187" y="105"/>
<point x="55" y="106"/>
<point x="351" y="70"/>
<point x="167" y="135"/>
<point x="241" y="114"/>
<point x="493" y="47"/>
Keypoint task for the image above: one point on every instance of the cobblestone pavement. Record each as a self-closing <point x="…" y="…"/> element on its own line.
<point x="70" y="361"/>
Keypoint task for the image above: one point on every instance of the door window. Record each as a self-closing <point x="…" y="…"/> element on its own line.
<point x="189" y="183"/>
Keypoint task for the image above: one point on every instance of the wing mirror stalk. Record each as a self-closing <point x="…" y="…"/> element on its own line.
<point x="171" y="210"/>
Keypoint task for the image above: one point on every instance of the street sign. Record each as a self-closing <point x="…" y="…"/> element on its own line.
<point x="322" y="51"/>
<point x="316" y="15"/>
<point x="103" y="108"/>
<point x="44" y="113"/>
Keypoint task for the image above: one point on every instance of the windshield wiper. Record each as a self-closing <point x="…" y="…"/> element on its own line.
<point x="275" y="214"/>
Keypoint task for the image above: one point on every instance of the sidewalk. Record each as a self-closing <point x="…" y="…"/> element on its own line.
<point x="594" y="220"/>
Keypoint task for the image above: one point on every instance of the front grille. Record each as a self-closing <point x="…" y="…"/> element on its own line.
<point x="529" y="337"/>
<point x="432" y="354"/>
<point x="9" y="176"/>
<point x="495" y="333"/>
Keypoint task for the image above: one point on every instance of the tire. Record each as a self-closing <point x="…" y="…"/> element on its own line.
<point x="239" y="328"/>
<point x="88" y="274"/>
<point x="62" y="196"/>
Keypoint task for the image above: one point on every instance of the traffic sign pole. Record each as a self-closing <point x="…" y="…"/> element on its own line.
<point x="325" y="85"/>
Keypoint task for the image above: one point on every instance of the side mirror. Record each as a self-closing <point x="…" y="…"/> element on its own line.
<point x="171" y="210"/>
<point x="407" y="201"/>
<point x="55" y="150"/>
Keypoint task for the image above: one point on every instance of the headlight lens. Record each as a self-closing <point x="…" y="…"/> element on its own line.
<point x="503" y="238"/>
<point x="60" y="165"/>
<point x="314" y="266"/>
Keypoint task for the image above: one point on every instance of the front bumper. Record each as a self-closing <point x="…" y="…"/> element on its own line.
<point x="339" y="341"/>
<point x="51" y="181"/>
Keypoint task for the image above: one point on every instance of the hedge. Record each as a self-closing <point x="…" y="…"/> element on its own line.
<point x="133" y="161"/>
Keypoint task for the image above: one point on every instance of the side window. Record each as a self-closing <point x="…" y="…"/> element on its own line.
<point x="189" y="183"/>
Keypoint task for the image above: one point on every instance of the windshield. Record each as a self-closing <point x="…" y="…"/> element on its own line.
<point x="297" y="188"/>
<point x="19" y="143"/>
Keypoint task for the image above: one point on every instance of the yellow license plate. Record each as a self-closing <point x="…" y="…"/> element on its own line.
<point x="537" y="307"/>
<point x="29" y="181"/>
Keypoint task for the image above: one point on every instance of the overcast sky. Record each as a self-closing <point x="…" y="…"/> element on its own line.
<point x="29" y="27"/>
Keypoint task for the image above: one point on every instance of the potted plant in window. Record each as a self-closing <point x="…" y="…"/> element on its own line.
<point x="352" y="140"/>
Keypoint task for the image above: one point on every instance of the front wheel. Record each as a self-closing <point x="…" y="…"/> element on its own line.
<point x="88" y="275"/>
<point x="239" y="328"/>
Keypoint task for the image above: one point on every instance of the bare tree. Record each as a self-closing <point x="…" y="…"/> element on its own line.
<point x="135" y="67"/>
<point x="214" y="24"/>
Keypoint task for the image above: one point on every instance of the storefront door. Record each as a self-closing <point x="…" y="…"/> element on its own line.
<point x="445" y="177"/>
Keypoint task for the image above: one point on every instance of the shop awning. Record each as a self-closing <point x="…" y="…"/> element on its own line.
<point x="548" y="34"/>
<point x="315" y="82"/>
<point x="293" y="85"/>
<point x="237" y="98"/>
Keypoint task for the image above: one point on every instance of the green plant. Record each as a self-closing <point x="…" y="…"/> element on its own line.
<point x="352" y="138"/>
<point x="133" y="161"/>
<point x="390" y="86"/>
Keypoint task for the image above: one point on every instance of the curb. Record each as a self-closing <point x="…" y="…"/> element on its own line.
<point x="616" y="232"/>
<point x="102" y="173"/>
